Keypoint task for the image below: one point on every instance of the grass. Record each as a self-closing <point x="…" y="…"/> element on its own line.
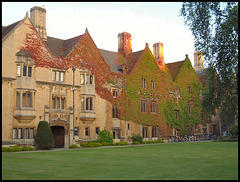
<point x="173" y="161"/>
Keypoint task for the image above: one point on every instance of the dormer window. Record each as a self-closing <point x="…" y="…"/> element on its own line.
<point x="115" y="93"/>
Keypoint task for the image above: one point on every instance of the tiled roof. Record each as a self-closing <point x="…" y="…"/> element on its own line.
<point x="114" y="59"/>
<point x="202" y="76"/>
<point x="132" y="59"/>
<point x="174" y="68"/>
<point x="7" y="29"/>
<point x="59" y="47"/>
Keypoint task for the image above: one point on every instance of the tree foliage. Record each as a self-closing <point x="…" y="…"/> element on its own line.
<point x="214" y="26"/>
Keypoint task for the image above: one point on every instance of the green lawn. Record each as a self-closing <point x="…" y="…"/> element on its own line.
<point x="171" y="161"/>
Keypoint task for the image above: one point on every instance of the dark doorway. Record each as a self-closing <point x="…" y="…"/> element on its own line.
<point x="58" y="135"/>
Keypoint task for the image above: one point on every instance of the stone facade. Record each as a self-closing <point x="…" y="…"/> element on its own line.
<point x="31" y="94"/>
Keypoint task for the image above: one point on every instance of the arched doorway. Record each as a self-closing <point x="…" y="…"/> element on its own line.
<point x="58" y="135"/>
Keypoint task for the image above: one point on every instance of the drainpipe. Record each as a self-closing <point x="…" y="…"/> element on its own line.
<point x="74" y="69"/>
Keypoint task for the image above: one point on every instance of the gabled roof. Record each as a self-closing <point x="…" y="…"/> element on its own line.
<point x="114" y="59"/>
<point x="202" y="76"/>
<point x="174" y="68"/>
<point x="59" y="47"/>
<point x="132" y="59"/>
<point x="7" y="29"/>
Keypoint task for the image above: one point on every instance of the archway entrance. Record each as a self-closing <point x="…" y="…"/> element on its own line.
<point x="58" y="135"/>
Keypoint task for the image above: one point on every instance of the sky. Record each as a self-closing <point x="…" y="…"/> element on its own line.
<point x="147" y="23"/>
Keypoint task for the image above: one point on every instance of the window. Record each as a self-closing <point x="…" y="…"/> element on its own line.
<point x="189" y="90"/>
<point x="29" y="100"/>
<point x="177" y="115"/>
<point x="58" y="76"/>
<point x="24" y="70"/>
<point x="26" y="133"/>
<point x="82" y="79"/>
<point x="189" y="109"/>
<point x="144" y="83"/>
<point x="19" y="133"/>
<point x="87" y="77"/>
<point x="153" y="85"/>
<point x="62" y="103"/>
<point x="87" y="132"/>
<point x="116" y="134"/>
<point x="26" y="99"/>
<point x="61" y="76"/>
<point x="15" y="131"/>
<point x="89" y="104"/>
<point x="115" y="93"/>
<point x="75" y="131"/>
<point x="82" y="104"/>
<point x="144" y="132"/>
<point x="29" y="71"/>
<point x="115" y="112"/>
<point x="31" y="133"/>
<point x="54" y="103"/>
<point x="91" y="79"/>
<point x="154" y="131"/>
<point x="58" y="102"/>
<point x="18" y="70"/>
<point x="153" y="107"/>
<point x="143" y="106"/>
<point x="97" y="131"/>
<point x="53" y="75"/>
<point x="128" y="126"/>
<point x="18" y="99"/>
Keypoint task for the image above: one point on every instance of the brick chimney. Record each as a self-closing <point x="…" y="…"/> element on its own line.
<point x="158" y="53"/>
<point x="38" y="19"/>
<point x="124" y="43"/>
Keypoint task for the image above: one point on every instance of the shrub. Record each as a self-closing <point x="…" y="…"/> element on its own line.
<point x="91" y="144"/>
<point x="73" y="146"/>
<point x="234" y="130"/>
<point x="122" y="143"/>
<point x="7" y="149"/>
<point x="16" y="149"/>
<point x="27" y="148"/>
<point x="137" y="138"/>
<point x="137" y="142"/>
<point x="44" y="138"/>
<point x="105" y="136"/>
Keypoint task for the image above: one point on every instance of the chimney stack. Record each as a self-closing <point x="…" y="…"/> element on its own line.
<point x="158" y="53"/>
<point x="198" y="60"/>
<point x="125" y="43"/>
<point x="38" y="19"/>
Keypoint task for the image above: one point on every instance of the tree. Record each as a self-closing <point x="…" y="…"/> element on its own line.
<point x="214" y="26"/>
<point x="44" y="138"/>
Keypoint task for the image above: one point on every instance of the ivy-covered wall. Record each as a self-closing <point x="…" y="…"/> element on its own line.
<point x="186" y="79"/>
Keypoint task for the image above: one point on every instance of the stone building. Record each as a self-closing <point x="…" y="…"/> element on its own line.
<point x="73" y="101"/>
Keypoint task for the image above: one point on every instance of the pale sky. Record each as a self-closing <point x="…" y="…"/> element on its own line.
<point x="147" y="22"/>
